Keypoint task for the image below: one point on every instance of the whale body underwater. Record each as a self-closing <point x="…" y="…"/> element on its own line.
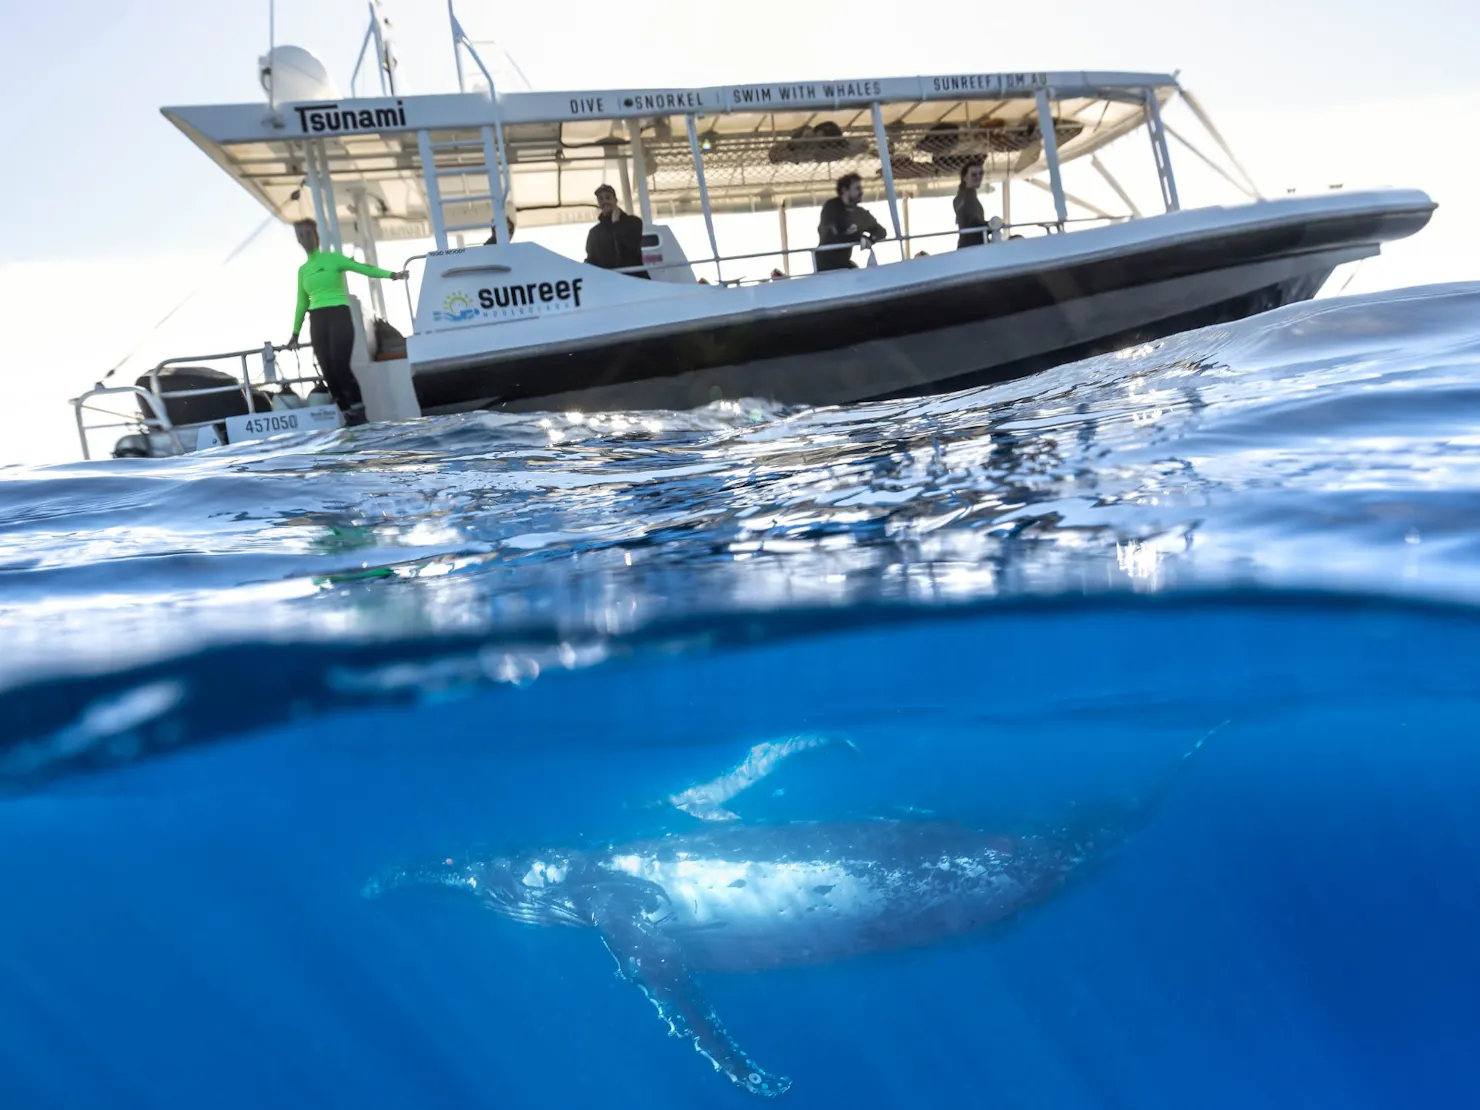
<point x="741" y="897"/>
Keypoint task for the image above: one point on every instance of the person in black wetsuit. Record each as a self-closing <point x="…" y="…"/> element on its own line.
<point x="843" y="221"/>
<point x="968" y="206"/>
<point x="616" y="239"/>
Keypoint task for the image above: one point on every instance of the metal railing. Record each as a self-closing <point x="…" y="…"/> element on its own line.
<point x="157" y="419"/>
<point x="991" y="231"/>
<point x="1048" y="226"/>
<point x="410" y="305"/>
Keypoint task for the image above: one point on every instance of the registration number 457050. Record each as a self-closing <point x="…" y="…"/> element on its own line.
<point x="260" y="425"/>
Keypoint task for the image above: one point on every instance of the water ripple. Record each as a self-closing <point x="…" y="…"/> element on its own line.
<point x="1334" y="444"/>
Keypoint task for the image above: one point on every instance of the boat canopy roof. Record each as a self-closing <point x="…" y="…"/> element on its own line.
<point x="761" y="145"/>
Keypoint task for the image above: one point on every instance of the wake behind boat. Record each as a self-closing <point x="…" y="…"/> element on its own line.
<point x="518" y="326"/>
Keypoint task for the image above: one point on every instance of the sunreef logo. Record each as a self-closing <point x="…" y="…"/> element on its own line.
<point x="532" y="298"/>
<point x="456" y="307"/>
<point x="510" y="302"/>
<point x="334" y="119"/>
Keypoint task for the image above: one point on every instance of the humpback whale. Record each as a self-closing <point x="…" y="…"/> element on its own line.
<point x="736" y="897"/>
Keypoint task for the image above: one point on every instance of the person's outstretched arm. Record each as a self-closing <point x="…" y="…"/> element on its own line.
<point x="371" y="271"/>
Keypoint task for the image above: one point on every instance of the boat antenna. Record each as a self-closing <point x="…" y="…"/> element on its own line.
<point x="528" y="84"/>
<point x="460" y="37"/>
<point x="271" y="44"/>
<point x="513" y="64"/>
<point x="457" y="41"/>
<point x="505" y="183"/>
<point x="385" y="59"/>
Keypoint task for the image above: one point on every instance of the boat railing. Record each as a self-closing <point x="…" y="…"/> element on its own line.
<point x="994" y="230"/>
<point x="988" y="230"/>
<point x="156" y="419"/>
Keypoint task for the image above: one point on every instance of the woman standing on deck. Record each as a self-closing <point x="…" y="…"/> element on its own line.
<point x="331" y="326"/>
<point x="968" y="206"/>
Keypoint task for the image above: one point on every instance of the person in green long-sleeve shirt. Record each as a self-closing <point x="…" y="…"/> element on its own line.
<point x="331" y="327"/>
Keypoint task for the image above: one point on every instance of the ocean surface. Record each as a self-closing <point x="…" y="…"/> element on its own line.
<point x="236" y="687"/>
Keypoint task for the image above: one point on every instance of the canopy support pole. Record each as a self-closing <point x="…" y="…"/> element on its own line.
<point x="703" y="193"/>
<point x="1114" y="183"/>
<point x="1051" y="153"/>
<point x="311" y="171"/>
<point x="1070" y="198"/>
<point x="785" y="240"/>
<point x="365" y="229"/>
<point x="331" y="203"/>
<point x="888" y="169"/>
<point x="1160" y="153"/>
<point x="434" y="190"/>
<point x="639" y="171"/>
<point x="1203" y="118"/>
<point x="493" y="159"/>
<point x="1212" y="165"/>
<point x="626" y="180"/>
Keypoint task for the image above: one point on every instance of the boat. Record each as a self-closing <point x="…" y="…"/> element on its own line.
<point x="504" y="323"/>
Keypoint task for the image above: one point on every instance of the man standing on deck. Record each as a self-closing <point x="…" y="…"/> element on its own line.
<point x="843" y="221"/>
<point x="615" y="242"/>
<point x="969" y="211"/>
<point x="331" y="325"/>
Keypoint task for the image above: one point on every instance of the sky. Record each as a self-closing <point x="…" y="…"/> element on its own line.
<point x="110" y="215"/>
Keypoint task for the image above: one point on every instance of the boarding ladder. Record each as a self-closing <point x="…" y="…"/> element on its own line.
<point x="459" y="169"/>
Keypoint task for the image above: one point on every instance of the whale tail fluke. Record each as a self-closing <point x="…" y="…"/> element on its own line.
<point x="1093" y="830"/>
<point x="1147" y="803"/>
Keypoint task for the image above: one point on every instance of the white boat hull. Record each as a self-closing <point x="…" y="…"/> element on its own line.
<point x="984" y="314"/>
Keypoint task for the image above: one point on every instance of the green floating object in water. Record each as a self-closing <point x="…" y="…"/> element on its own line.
<point x="354" y="575"/>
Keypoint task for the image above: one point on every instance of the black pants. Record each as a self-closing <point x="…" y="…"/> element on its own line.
<point x="332" y="332"/>
<point x="837" y="259"/>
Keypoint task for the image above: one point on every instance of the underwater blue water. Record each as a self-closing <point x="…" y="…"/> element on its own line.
<point x="238" y="685"/>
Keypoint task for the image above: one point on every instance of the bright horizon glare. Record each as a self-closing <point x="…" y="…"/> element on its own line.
<point x="118" y="216"/>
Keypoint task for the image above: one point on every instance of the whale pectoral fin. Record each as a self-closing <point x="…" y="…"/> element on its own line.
<point x="654" y="962"/>
<point x="705" y="800"/>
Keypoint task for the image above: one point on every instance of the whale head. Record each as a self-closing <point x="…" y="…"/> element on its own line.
<point x="455" y="874"/>
<point x="529" y="887"/>
<point x="533" y="887"/>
